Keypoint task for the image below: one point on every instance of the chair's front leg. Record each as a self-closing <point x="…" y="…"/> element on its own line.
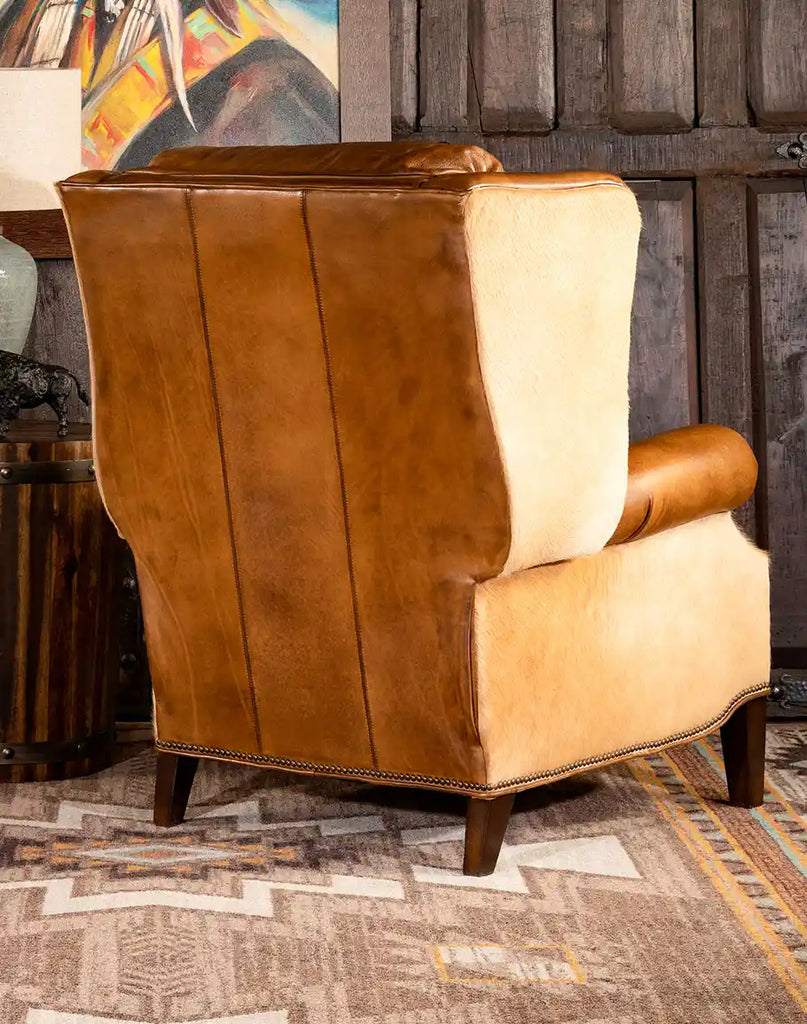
<point x="175" y="774"/>
<point x="484" y="833"/>
<point x="743" y="738"/>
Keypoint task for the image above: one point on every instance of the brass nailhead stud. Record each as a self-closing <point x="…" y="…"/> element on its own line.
<point x="5" y="473"/>
<point x="7" y="753"/>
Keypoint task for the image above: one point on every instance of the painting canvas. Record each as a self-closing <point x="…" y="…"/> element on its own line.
<point x="157" y="74"/>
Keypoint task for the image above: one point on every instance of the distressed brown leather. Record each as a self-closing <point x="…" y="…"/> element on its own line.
<point x="347" y="159"/>
<point x="306" y="537"/>
<point x="683" y="475"/>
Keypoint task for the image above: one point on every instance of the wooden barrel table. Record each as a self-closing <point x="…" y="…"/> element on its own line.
<point x="60" y="567"/>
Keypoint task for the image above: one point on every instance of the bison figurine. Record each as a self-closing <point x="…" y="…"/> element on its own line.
<point x="26" y="384"/>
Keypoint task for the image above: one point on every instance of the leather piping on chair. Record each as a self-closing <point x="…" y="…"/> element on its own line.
<point x="458" y="785"/>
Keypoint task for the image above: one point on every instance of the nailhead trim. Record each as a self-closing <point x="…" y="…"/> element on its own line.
<point x="460" y="784"/>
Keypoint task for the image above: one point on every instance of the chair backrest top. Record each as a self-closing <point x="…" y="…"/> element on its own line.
<point x="447" y="167"/>
<point x="457" y="182"/>
<point x="365" y="159"/>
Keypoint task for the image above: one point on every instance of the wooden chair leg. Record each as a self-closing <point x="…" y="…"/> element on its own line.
<point x="743" y="738"/>
<point x="175" y="774"/>
<point x="484" y="833"/>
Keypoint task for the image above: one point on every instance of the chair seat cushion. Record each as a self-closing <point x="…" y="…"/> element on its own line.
<point x="629" y="650"/>
<point x="683" y="475"/>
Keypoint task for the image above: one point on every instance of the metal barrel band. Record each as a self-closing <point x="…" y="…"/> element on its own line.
<point x="54" y="752"/>
<point x="77" y="471"/>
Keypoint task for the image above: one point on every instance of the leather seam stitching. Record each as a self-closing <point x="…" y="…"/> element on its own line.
<point x="224" y="474"/>
<point x="340" y="465"/>
<point x="547" y="775"/>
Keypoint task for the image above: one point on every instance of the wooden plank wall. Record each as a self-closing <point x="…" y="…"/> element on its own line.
<point x="624" y="67"/>
<point x="664" y="349"/>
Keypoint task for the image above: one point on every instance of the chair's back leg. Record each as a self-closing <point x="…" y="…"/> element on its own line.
<point x="484" y="833"/>
<point x="743" y="738"/>
<point x="175" y="774"/>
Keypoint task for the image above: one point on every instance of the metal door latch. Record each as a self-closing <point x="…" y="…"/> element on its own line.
<point x="795" y="150"/>
<point x="790" y="692"/>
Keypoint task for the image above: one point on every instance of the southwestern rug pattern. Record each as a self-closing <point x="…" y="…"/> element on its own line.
<point x="628" y="896"/>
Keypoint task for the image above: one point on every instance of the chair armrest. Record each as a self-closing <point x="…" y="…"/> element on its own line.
<point x="683" y="475"/>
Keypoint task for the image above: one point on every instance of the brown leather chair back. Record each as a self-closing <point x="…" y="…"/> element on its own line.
<point x="305" y="432"/>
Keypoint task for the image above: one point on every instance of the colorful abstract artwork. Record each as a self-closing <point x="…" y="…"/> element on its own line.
<point x="158" y="74"/>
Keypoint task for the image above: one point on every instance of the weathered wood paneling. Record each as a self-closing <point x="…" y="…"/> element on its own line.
<point x="403" y="64"/>
<point x="778" y="48"/>
<point x="721" y="62"/>
<point x="57" y="333"/>
<point x="513" y="67"/>
<point x="582" y="64"/>
<point x="652" y="53"/>
<point x="725" y="312"/>
<point x="663" y="360"/>
<point x="444" y="64"/>
<point x="703" y="151"/>
<point x="778" y="227"/>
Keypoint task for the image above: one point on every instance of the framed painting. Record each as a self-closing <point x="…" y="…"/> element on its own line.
<point x="157" y="74"/>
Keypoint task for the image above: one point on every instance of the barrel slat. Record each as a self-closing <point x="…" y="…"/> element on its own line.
<point x="60" y="568"/>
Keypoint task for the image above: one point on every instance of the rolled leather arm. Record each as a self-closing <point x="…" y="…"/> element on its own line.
<point x="683" y="475"/>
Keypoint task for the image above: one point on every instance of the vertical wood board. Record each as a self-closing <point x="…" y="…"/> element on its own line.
<point x="403" y="64"/>
<point x="581" y="36"/>
<point x="721" y="62"/>
<point x="778" y="55"/>
<point x="652" y="65"/>
<point x="725" y="340"/>
<point x="663" y="360"/>
<point x="779" y="266"/>
<point x="513" y="68"/>
<point x="444" y="64"/>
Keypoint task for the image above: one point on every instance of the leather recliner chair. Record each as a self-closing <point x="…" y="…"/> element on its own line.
<point x="361" y="413"/>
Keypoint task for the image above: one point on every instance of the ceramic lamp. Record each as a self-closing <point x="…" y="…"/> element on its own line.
<point x="18" y="279"/>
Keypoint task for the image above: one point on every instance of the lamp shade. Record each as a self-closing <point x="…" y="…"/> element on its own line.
<point x="40" y="134"/>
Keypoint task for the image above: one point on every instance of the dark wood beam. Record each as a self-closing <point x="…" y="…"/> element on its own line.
<point x="42" y="232"/>
<point x="697" y="153"/>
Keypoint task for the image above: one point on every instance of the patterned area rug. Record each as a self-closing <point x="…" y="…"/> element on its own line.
<point x="628" y="896"/>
